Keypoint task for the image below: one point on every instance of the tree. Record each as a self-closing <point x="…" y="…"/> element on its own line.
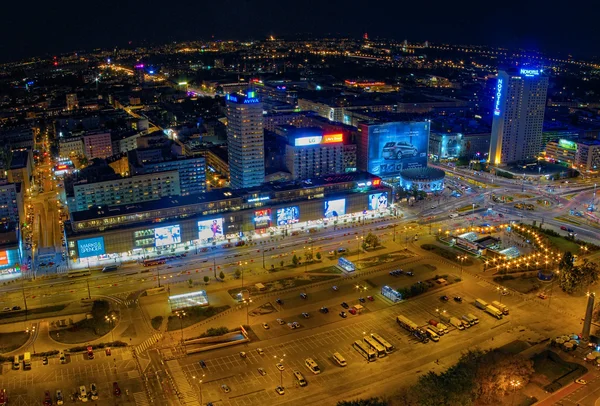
<point x="372" y="240"/>
<point x="364" y="402"/>
<point x="238" y="273"/>
<point x="295" y="260"/>
<point x="308" y="256"/>
<point x="206" y="279"/>
<point x="318" y="256"/>
<point x="281" y="263"/>
<point x="190" y="282"/>
<point x="222" y="276"/>
<point x="574" y="278"/>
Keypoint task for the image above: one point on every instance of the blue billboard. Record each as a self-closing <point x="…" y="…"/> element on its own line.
<point x="378" y="201"/>
<point x="91" y="247"/>
<point x="334" y="208"/>
<point x="396" y="146"/>
<point x="287" y="215"/>
<point x="167" y="235"/>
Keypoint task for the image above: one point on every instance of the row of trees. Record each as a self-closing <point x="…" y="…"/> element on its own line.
<point x="576" y="278"/>
<point x="482" y="376"/>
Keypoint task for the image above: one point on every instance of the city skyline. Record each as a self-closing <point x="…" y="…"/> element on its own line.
<point x="73" y="29"/>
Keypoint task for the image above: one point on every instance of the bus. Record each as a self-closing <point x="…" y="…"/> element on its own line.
<point x="3" y="397"/>
<point x="312" y="365"/>
<point x="155" y="261"/>
<point x="375" y="346"/>
<point x="407" y="323"/>
<point x="365" y="351"/>
<point x="388" y="347"/>
<point x="76" y="274"/>
<point x="110" y="268"/>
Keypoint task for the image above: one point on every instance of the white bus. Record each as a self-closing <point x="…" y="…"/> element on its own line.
<point x="75" y="274"/>
<point x="375" y="346"/>
<point x="312" y="365"/>
<point x="365" y="351"/>
<point x="388" y="347"/>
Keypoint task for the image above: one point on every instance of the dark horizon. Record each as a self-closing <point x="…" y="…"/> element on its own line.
<point x="70" y="26"/>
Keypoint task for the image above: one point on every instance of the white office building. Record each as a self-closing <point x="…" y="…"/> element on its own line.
<point x="518" y="116"/>
<point x="245" y="140"/>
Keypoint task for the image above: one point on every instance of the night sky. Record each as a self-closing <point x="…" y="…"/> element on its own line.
<point x="48" y="27"/>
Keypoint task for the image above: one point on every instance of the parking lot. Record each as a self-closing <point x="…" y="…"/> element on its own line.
<point x="27" y="387"/>
<point x="319" y="337"/>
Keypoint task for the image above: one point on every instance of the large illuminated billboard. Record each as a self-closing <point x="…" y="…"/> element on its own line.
<point x="318" y="139"/>
<point x="167" y="235"/>
<point x="396" y="146"/>
<point x="91" y="247"/>
<point x="378" y="201"/>
<point x="334" y="208"/>
<point x="210" y="230"/>
<point x="262" y="218"/>
<point x="287" y="215"/>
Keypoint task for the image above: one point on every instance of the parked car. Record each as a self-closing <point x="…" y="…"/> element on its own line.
<point x="458" y="299"/>
<point x="305" y="315"/>
<point x="279" y="302"/>
<point x="116" y="389"/>
<point x="345" y="305"/>
<point x="279" y="366"/>
<point x="370" y="298"/>
<point x="361" y="299"/>
<point x="281" y="322"/>
<point x="409" y="273"/>
<point x="564" y="228"/>
<point x="352" y="311"/>
<point x="262" y="371"/>
<point x="324" y="310"/>
<point x="202" y="364"/>
<point x="260" y="351"/>
<point x="265" y="326"/>
<point x="303" y="295"/>
<point x="225" y="388"/>
<point x="280" y="390"/>
<point x="444" y="298"/>
<point x="343" y="315"/>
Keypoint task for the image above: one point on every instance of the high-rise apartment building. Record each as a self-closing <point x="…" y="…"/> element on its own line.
<point x="245" y="140"/>
<point x="72" y="102"/>
<point x="518" y="116"/>
<point x="97" y="145"/>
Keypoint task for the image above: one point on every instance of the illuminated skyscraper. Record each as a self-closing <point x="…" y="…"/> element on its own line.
<point x="245" y="140"/>
<point x="518" y="116"/>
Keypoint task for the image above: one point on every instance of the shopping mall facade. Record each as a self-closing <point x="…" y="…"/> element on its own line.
<point x="179" y="224"/>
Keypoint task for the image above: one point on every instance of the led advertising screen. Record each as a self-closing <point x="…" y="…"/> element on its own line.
<point x="396" y="146"/>
<point x="262" y="218"/>
<point x="210" y="230"/>
<point x="91" y="247"/>
<point x="378" y="201"/>
<point x="167" y="235"/>
<point x="334" y="208"/>
<point x="3" y="258"/>
<point x="288" y="215"/>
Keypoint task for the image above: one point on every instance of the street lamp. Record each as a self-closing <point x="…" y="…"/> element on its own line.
<point x="200" y="385"/>
<point x="111" y="321"/>
<point x="181" y="314"/>
<point x="247" y="303"/>
<point x="515" y="385"/>
<point x="280" y="371"/>
<point x="461" y="258"/>
<point x="501" y="292"/>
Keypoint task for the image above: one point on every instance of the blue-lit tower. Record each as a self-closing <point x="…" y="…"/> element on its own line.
<point x="518" y="109"/>
<point x="245" y="140"/>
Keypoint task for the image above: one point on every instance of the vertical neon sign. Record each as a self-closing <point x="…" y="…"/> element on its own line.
<point x="498" y="94"/>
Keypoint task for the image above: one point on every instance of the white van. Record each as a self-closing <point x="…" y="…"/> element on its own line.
<point x="432" y="335"/>
<point x="83" y="394"/>
<point x="312" y="365"/>
<point x="341" y="361"/>
<point x="300" y="378"/>
<point x="16" y="362"/>
<point x="453" y="215"/>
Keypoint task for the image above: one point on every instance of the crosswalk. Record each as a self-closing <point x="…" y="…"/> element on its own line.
<point x="140" y="399"/>
<point x="185" y="392"/>
<point x="149" y="342"/>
